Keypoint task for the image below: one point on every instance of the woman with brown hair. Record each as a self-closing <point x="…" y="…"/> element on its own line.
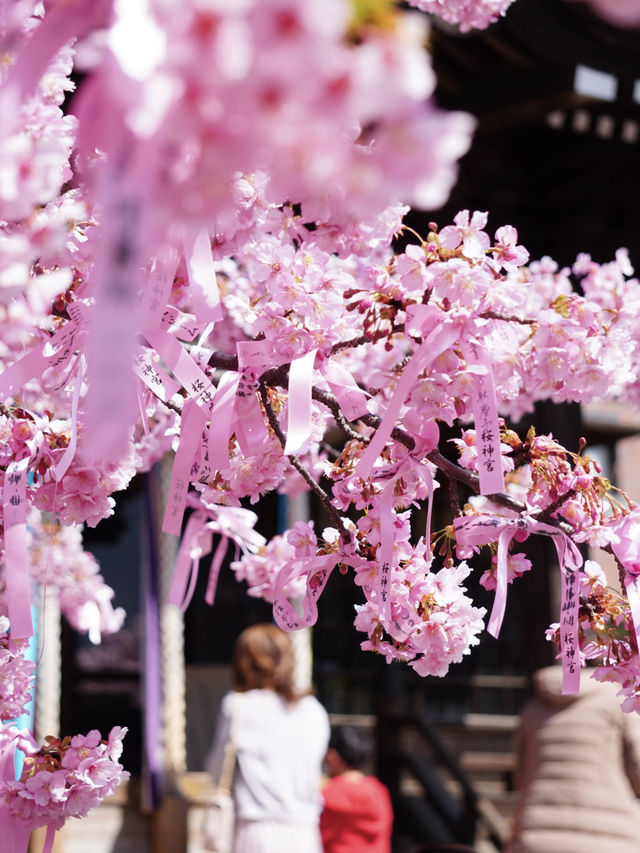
<point x="280" y="737"/>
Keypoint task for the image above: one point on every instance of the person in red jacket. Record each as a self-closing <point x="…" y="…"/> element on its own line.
<point x="357" y="815"/>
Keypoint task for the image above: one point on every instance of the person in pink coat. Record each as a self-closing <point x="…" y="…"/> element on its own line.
<point x="577" y="771"/>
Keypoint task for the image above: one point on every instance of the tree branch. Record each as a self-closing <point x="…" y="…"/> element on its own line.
<point x="331" y="403"/>
<point x="508" y="318"/>
<point x="278" y="377"/>
<point x="315" y="487"/>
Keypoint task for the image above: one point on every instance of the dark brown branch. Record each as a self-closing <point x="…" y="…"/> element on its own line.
<point x="278" y="377"/>
<point x="398" y="434"/>
<point x="508" y="318"/>
<point x="367" y="338"/>
<point x="555" y="505"/>
<point x="332" y="404"/>
<point x="622" y="574"/>
<point x="173" y="406"/>
<point x="223" y="361"/>
<point x="454" y="498"/>
<point x="315" y="487"/>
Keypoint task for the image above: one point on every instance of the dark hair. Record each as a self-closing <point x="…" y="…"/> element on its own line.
<point x="351" y="744"/>
<point x="263" y="658"/>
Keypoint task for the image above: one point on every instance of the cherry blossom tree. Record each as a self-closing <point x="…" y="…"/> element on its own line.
<point x="196" y="258"/>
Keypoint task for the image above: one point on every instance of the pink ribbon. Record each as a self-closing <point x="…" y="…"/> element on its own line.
<point x="199" y="352"/>
<point x="67" y="457"/>
<point x="485" y="413"/>
<point x="570" y="561"/>
<point x="387" y="531"/>
<point x="141" y="410"/>
<point x="569" y="635"/>
<point x="221" y="420"/>
<point x="201" y="469"/>
<point x="214" y="571"/>
<point x="429" y="478"/>
<point x="122" y="251"/>
<point x="317" y="571"/>
<point x="195" y="382"/>
<point x="481" y="530"/>
<point x="49" y="838"/>
<point x="153" y="376"/>
<point x="231" y="523"/>
<point x="632" y="588"/>
<point x="237" y="523"/>
<point x="202" y="275"/>
<point x="193" y="420"/>
<point x="14" y="499"/>
<point x="256" y="356"/>
<point x="249" y="425"/>
<point x="21" y="371"/>
<point x="502" y="581"/>
<point x="196" y="541"/>
<point x="183" y="326"/>
<point x="54" y="352"/>
<point x="299" y="413"/>
<point x="14" y="833"/>
<point x="8" y="823"/>
<point x="351" y="398"/>
<point x="436" y="343"/>
<point x="80" y="314"/>
<point x="387" y="538"/>
<point x="156" y="293"/>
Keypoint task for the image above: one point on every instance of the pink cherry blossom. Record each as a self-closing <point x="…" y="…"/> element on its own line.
<point x="16" y="674"/>
<point x="64" y="778"/>
<point x="467" y="232"/>
<point x="468" y="14"/>
<point x="626" y="546"/>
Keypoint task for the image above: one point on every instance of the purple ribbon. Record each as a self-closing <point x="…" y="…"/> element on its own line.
<point x="152" y="778"/>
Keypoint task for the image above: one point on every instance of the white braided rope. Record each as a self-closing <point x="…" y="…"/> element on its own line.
<point x="173" y="679"/>
<point x="49" y="676"/>
<point x="298" y="510"/>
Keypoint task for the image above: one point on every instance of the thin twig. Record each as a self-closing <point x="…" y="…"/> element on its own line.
<point x="331" y="452"/>
<point x="406" y="228"/>
<point x="366" y="338"/>
<point x="508" y="318"/>
<point x="454" y="498"/>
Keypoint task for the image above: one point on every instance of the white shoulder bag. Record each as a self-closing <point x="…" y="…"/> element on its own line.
<point x="217" y="828"/>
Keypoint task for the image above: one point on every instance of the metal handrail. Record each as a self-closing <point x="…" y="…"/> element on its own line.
<point x="460" y="818"/>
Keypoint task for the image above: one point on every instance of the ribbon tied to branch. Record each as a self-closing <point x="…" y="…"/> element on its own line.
<point x="483" y="529"/>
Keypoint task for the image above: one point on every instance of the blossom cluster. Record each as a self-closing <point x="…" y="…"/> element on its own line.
<point x="16" y="674"/>
<point x="59" y="560"/>
<point x="219" y="91"/>
<point x="467" y="14"/>
<point x="432" y="623"/>
<point x="607" y="635"/>
<point x="65" y="777"/>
